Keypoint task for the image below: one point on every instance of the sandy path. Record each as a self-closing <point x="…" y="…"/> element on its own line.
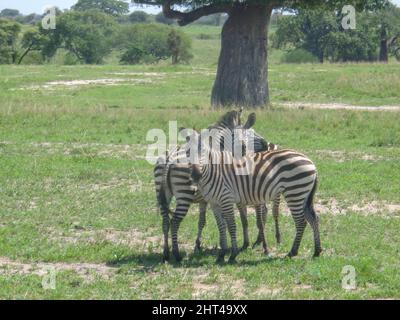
<point x="337" y="106"/>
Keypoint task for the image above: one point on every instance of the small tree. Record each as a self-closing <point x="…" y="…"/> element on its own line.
<point x="113" y="7"/>
<point x="179" y="45"/>
<point x="138" y="17"/>
<point x="388" y="21"/>
<point x="149" y="43"/>
<point x="9" y="13"/>
<point x="9" y="32"/>
<point x="32" y="40"/>
<point x="87" y="34"/>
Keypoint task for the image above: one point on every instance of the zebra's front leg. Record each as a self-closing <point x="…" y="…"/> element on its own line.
<point x="245" y="225"/>
<point x="221" y="224"/>
<point x="180" y="212"/>
<point x="261" y="212"/>
<point x="275" y="213"/>
<point x="229" y="215"/>
<point x="202" y="223"/>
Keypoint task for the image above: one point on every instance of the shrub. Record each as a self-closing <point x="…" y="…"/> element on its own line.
<point x="149" y="43"/>
<point x="299" y="56"/>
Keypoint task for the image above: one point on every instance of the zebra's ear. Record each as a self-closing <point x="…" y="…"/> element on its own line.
<point x="196" y="173"/>
<point x="251" y="120"/>
<point x="240" y="115"/>
<point x="185" y="133"/>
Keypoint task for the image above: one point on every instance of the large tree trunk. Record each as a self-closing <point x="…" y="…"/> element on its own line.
<point x="242" y="76"/>
<point x="384" y="50"/>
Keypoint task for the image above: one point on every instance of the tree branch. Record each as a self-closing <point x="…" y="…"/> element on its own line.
<point x="185" y="18"/>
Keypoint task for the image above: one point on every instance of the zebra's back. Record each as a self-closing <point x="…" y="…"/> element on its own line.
<point x="260" y="177"/>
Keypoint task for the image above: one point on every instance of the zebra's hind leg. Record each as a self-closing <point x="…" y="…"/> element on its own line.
<point x="245" y="225"/>
<point x="261" y="219"/>
<point x="202" y="223"/>
<point x="300" y="223"/>
<point x="166" y="224"/>
<point x="261" y="212"/>
<point x="275" y="213"/>
<point x="222" y="233"/>
<point x="313" y="220"/>
<point x="180" y="212"/>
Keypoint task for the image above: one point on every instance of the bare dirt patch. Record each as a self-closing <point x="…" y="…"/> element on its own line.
<point x="342" y="156"/>
<point x="75" y="84"/>
<point x="88" y="271"/>
<point x="132" y="238"/>
<point x="264" y="291"/>
<point x="335" y="207"/>
<point x="337" y="106"/>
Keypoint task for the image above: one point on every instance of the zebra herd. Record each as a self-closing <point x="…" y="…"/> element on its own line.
<point x="214" y="179"/>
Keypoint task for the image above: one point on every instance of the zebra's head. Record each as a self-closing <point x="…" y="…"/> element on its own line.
<point x="248" y="140"/>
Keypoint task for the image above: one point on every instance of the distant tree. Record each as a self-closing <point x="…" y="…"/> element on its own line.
<point x="309" y="30"/>
<point x="32" y="40"/>
<point x="320" y="33"/>
<point x="32" y="18"/>
<point x="87" y="34"/>
<point x="149" y="43"/>
<point x="178" y="46"/>
<point x="113" y="7"/>
<point x="138" y="17"/>
<point x="9" y="32"/>
<point x="9" y="13"/>
<point x="388" y="21"/>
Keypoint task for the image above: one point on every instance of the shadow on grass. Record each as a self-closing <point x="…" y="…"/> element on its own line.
<point x="147" y="262"/>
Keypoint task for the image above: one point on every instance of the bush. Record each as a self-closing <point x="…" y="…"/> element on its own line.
<point x="149" y="43"/>
<point x="299" y="56"/>
<point x="138" y="17"/>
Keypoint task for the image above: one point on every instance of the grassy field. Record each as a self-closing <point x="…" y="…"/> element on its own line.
<point x="76" y="194"/>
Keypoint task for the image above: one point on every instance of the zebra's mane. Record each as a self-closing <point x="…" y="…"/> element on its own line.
<point x="229" y="120"/>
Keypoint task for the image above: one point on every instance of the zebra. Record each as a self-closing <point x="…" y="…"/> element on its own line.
<point x="173" y="179"/>
<point x="269" y="173"/>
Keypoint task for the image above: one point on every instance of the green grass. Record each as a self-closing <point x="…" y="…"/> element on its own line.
<point x="77" y="194"/>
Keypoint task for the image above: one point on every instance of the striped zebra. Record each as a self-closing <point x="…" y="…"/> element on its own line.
<point x="173" y="179"/>
<point x="269" y="174"/>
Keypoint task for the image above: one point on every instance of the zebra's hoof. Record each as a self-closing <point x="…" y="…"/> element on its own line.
<point x="221" y="257"/>
<point x="244" y="248"/>
<point x="197" y="247"/>
<point x="291" y="255"/>
<point x="256" y="244"/>
<point x="317" y="253"/>
<point x="220" y="260"/>
<point x="177" y="256"/>
<point x="232" y="260"/>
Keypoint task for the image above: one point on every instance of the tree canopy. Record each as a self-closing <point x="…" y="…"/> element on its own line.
<point x="193" y="10"/>
<point x="113" y="7"/>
